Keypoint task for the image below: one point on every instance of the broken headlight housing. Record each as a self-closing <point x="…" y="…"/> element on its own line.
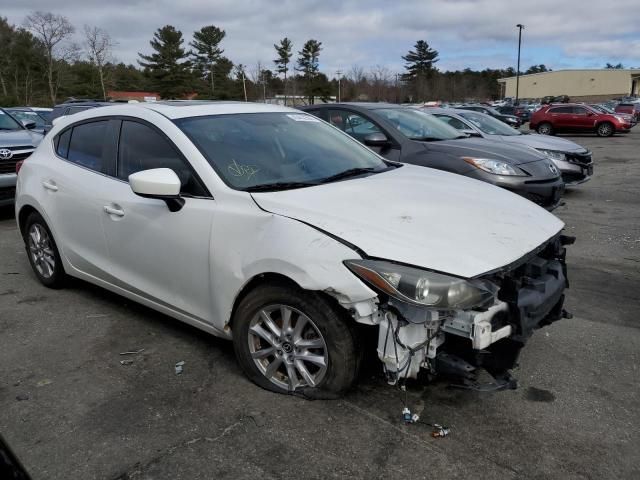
<point x="496" y="167"/>
<point x="422" y="287"/>
<point x="553" y="154"/>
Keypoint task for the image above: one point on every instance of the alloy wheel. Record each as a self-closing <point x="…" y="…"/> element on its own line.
<point x="544" y="129"/>
<point x="41" y="251"/>
<point x="287" y="347"/>
<point x="604" y="130"/>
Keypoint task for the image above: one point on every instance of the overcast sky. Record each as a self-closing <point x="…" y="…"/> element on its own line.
<point x="467" y="33"/>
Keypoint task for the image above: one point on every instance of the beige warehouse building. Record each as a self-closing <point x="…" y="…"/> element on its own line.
<point x="580" y="85"/>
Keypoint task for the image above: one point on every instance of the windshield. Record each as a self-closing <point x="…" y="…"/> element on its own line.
<point x="286" y="150"/>
<point x="602" y="109"/>
<point x="488" y="124"/>
<point x="24" y="115"/>
<point x="417" y="125"/>
<point x="8" y="123"/>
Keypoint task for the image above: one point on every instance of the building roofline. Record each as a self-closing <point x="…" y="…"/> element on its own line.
<point x="628" y="70"/>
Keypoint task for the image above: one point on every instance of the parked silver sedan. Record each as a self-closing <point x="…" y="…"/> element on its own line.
<point x="574" y="161"/>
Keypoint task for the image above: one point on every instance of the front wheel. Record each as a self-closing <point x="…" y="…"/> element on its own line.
<point x="545" y="129"/>
<point x="43" y="252"/>
<point x="605" y="129"/>
<point x="287" y="340"/>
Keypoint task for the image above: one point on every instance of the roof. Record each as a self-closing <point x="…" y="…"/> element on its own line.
<point x="174" y="109"/>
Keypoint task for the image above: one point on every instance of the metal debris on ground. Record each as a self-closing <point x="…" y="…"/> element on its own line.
<point x="132" y="352"/>
<point x="22" y="396"/>
<point x="44" y="382"/>
<point x="126" y="362"/>
<point x="179" y="366"/>
<point x="439" y="431"/>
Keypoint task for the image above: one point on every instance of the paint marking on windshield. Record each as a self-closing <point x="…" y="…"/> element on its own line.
<point x="246" y="171"/>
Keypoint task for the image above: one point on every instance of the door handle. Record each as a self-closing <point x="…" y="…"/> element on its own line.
<point x="113" y="211"/>
<point x="50" y="186"/>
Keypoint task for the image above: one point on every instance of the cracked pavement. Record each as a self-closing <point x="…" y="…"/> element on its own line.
<point x="86" y="415"/>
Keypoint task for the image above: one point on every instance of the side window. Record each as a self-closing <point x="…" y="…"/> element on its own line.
<point x="87" y="143"/>
<point x="454" y="122"/>
<point x="72" y="110"/>
<point x="142" y="148"/>
<point x="62" y="143"/>
<point x="561" y="110"/>
<point x="579" y="110"/>
<point x="355" y="125"/>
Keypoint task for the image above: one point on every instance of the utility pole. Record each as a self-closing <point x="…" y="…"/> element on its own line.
<point x="339" y="74"/>
<point x="520" y="27"/>
<point x="244" y="87"/>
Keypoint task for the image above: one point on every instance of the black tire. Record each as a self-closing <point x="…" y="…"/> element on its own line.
<point x="335" y="328"/>
<point x="605" y="129"/>
<point x="545" y="128"/>
<point x="56" y="277"/>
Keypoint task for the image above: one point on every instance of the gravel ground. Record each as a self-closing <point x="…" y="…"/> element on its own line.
<point x="85" y="415"/>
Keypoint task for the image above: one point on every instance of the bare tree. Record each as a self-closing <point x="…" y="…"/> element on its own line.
<point x="99" y="45"/>
<point x="51" y="30"/>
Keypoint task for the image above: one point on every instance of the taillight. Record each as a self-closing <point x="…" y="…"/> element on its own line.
<point x="19" y="165"/>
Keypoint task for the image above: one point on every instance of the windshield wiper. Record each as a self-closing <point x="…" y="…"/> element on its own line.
<point x="273" y="187"/>
<point x="352" y="172"/>
<point x="426" y="139"/>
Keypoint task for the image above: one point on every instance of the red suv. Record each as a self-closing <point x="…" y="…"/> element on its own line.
<point x="568" y="117"/>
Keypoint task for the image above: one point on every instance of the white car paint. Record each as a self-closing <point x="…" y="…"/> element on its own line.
<point x="475" y="230"/>
<point x="194" y="263"/>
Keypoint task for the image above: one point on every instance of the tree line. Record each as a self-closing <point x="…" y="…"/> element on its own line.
<point x="41" y="64"/>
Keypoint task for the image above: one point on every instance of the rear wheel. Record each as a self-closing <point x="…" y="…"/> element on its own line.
<point x="43" y="253"/>
<point x="545" y="128"/>
<point x="605" y="129"/>
<point x="287" y="339"/>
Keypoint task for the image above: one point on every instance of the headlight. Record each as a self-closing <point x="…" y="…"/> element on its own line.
<point x="620" y="119"/>
<point x="553" y="155"/>
<point x="423" y="287"/>
<point x="493" y="166"/>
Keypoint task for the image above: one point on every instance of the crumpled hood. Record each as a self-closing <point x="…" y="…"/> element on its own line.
<point x="543" y="141"/>
<point x="422" y="217"/>
<point x="15" y="138"/>
<point x="483" y="148"/>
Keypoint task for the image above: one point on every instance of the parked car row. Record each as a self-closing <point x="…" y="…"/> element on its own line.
<point x="270" y="227"/>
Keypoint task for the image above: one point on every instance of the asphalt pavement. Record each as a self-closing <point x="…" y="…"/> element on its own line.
<point x="71" y="410"/>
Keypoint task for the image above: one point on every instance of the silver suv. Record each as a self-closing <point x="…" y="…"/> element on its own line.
<point x="17" y="142"/>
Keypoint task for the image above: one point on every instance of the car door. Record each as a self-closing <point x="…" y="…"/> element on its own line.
<point x="561" y="117"/>
<point x="161" y="255"/>
<point x="583" y="119"/>
<point x="360" y="126"/>
<point x="76" y="186"/>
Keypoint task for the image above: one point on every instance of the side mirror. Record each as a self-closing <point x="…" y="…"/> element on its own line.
<point x="28" y="124"/>
<point x="471" y="133"/>
<point x="376" y="139"/>
<point x="160" y="183"/>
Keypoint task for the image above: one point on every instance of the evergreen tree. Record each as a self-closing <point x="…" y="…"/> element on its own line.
<point x="420" y="61"/>
<point x="537" y="69"/>
<point x="206" y="43"/>
<point x="167" y="67"/>
<point x="282" y="62"/>
<point x="308" y="64"/>
<point x="419" y="68"/>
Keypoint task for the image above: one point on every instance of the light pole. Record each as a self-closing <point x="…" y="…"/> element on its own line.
<point x="339" y="74"/>
<point x="520" y="27"/>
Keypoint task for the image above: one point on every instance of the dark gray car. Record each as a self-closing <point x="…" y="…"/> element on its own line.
<point x="414" y="137"/>
<point x="16" y="143"/>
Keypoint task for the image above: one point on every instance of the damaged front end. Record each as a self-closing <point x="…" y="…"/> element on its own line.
<point x="459" y="328"/>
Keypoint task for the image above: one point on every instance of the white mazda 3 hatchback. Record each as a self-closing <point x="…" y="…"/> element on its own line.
<point x="270" y="227"/>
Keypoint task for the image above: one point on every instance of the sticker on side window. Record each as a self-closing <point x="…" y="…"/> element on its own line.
<point x="299" y="117"/>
